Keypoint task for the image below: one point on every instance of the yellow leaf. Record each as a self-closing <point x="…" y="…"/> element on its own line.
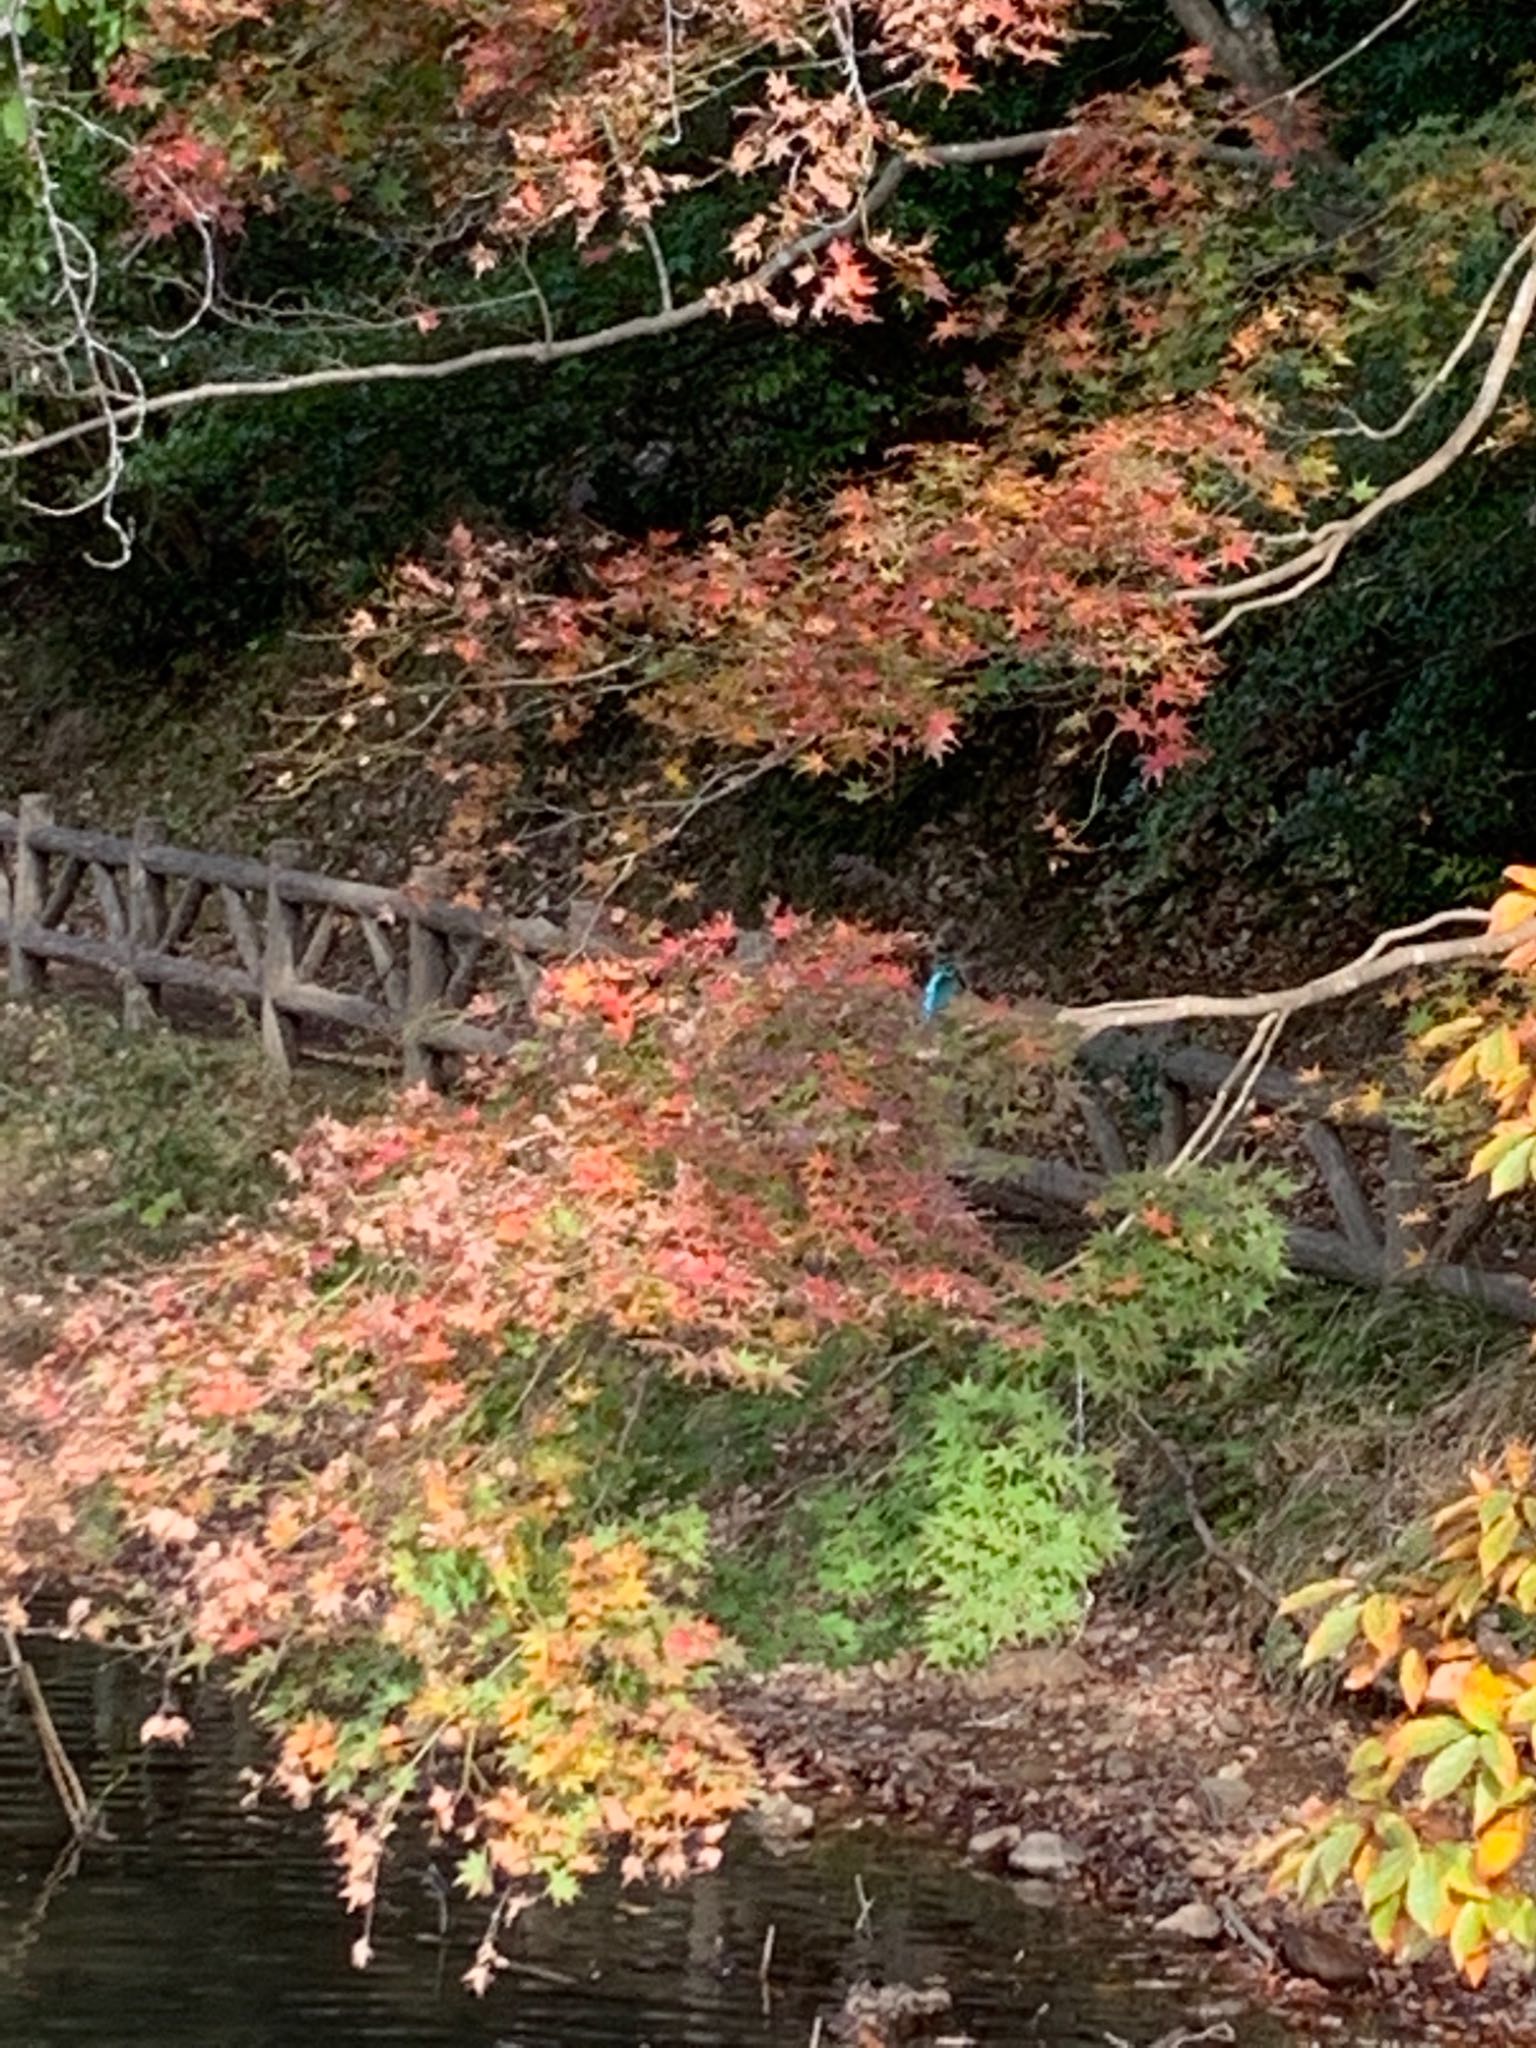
<point x="1497" y="1541"/>
<point x="1505" y="1138"/>
<point x="1446" y="1772"/>
<point x="1429" y="1904"/>
<point x="1450" y="1034"/>
<point x="1510" y="910"/>
<point x="1483" y="1696"/>
<point x="1498" y="1055"/>
<point x="1503" y="1842"/>
<point x="1513" y="1170"/>
<point x="1467" y="1934"/>
<point x="1334" y="1633"/>
<point x="1381" y="1623"/>
<point x="1452" y="1079"/>
<point x="1314" y="1595"/>
<point x="1499" y="1757"/>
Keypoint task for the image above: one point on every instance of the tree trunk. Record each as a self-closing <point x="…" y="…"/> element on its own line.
<point x="1242" y="43"/>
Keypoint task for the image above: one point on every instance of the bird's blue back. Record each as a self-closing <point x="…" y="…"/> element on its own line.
<point x="940" y="990"/>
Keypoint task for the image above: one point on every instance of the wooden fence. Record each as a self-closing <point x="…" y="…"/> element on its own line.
<point x="1394" y="1226"/>
<point x="296" y="949"/>
<point x="400" y="966"/>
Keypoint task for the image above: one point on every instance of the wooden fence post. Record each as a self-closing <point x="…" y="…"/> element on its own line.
<point x="426" y="980"/>
<point x="279" y="959"/>
<point x="143" y="1000"/>
<point x="1406" y="1205"/>
<point x="27" y="971"/>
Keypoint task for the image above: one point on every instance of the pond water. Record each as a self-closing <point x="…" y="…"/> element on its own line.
<point x="200" y="1926"/>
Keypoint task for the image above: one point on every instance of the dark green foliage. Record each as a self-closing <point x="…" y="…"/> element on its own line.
<point x="1379" y="738"/>
<point x="1446" y="59"/>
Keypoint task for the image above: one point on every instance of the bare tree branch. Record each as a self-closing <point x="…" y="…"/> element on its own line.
<point x="721" y="300"/>
<point x="1318" y="560"/>
<point x="1232" y="1099"/>
<point x="111" y="385"/>
<point x="1293" y="93"/>
<point x="1249" y="56"/>
<point x="1361" y="429"/>
<point x="1381" y="961"/>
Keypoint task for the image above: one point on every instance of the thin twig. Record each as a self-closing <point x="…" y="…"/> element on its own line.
<point x="659" y="262"/>
<point x="1209" y="1540"/>
<point x="1314" y="79"/>
<point x="1249" y="1936"/>
<point x="78" y="1810"/>
<point x="1231" y="1099"/>
<point x="1362" y="430"/>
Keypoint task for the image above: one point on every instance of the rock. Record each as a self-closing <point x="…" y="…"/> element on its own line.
<point x="1229" y="1722"/>
<point x="1037" y="1892"/>
<point x="990" y="1845"/>
<point x="1042" y="1853"/>
<point x="928" y="1741"/>
<point x="1197" y="1921"/>
<point x="1225" y="1796"/>
<point x="1309" y="1952"/>
<point x="782" y="1821"/>
<point x="1119" y="1767"/>
<point x="874" y="2014"/>
<point x="1034" y="1670"/>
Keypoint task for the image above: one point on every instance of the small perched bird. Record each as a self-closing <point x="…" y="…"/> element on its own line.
<point x="940" y="990"/>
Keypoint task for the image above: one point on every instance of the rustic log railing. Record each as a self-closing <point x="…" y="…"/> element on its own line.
<point x="291" y="947"/>
<point x="1394" y="1226"/>
<point x="401" y="966"/>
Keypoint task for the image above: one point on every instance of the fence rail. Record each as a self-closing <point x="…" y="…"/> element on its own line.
<point x="402" y="965"/>
<point x="294" y="947"/>
<point x="1394" y="1227"/>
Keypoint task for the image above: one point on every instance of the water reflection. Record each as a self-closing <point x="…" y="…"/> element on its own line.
<point x="202" y="1927"/>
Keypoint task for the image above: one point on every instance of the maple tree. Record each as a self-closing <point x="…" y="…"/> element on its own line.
<point x="340" y="1452"/>
<point x="343" y="1454"/>
<point x="513" y="126"/>
<point x="1151" y="454"/>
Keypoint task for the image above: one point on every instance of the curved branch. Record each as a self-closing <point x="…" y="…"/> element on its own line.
<point x="111" y="384"/>
<point x="1292" y="93"/>
<point x="1362" y="430"/>
<point x="1382" y="961"/>
<point x="720" y="300"/>
<point x="1314" y="563"/>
